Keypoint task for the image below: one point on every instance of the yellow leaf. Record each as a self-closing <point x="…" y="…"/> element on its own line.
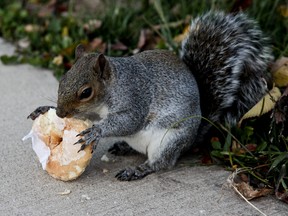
<point x="264" y="105"/>
<point x="283" y="10"/>
<point x="65" y="31"/>
<point x="58" y="60"/>
<point x="179" y="38"/>
<point x="280" y="72"/>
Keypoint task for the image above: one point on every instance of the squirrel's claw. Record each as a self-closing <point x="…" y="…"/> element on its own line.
<point x="88" y="130"/>
<point x="40" y="110"/>
<point x="90" y="136"/>
<point x="79" y="141"/>
<point x="81" y="148"/>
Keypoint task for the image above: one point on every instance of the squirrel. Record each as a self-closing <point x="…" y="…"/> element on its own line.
<point x="152" y="102"/>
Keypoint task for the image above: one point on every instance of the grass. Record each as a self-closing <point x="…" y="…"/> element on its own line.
<point x="49" y="41"/>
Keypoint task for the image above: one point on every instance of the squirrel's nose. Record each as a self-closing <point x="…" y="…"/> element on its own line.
<point x="61" y="113"/>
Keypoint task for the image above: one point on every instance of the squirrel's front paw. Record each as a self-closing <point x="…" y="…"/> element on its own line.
<point x="90" y="135"/>
<point x="130" y="174"/>
<point x="40" y="110"/>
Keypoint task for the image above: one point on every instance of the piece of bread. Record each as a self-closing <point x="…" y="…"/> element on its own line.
<point x="53" y="139"/>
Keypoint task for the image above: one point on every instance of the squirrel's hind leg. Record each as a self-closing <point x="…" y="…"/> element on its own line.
<point x="139" y="172"/>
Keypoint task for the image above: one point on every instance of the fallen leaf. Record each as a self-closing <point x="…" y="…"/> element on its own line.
<point x="264" y="105"/>
<point x="98" y="44"/>
<point x="279" y="72"/>
<point x="119" y="46"/>
<point x="58" y="60"/>
<point x="251" y="147"/>
<point x="282" y="196"/>
<point x="181" y="37"/>
<point x="239" y="182"/>
<point x="142" y="39"/>
<point x="283" y="10"/>
<point x="244" y="177"/>
<point x="147" y="41"/>
<point x="250" y="193"/>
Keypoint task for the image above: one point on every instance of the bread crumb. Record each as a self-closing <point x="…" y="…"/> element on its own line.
<point x="85" y="196"/>
<point x="65" y="192"/>
<point x="105" y="171"/>
<point x="105" y="158"/>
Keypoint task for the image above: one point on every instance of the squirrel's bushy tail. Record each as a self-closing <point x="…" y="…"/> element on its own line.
<point x="229" y="56"/>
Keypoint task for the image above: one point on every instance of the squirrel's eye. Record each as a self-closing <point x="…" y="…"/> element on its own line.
<point x="86" y="93"/>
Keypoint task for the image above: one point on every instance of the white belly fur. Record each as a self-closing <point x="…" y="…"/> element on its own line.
<point x="150" y="141"/>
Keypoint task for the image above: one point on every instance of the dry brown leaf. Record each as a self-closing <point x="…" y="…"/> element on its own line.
<point x="147" y="41"/>
<point x="235" y="181"/>
<point x="240" y="182"/>
<point x="142" y="38"/>
<point x="282" y="196"/>
<point x="97" y="44"/>
<point x="249" y="192"/>
<point x="251" y="147"/>
<point x="119" y="46"/>
<point x="264" y="105"/>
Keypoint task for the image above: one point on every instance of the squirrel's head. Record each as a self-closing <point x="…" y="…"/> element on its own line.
<point x="83" y="86"/>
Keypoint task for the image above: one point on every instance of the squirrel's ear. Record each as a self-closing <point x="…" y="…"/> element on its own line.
<point x="80" y="51"/>
<point x="101" y="67"/>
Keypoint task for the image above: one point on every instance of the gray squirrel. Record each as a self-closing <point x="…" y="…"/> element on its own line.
<point x="152" y="101"/>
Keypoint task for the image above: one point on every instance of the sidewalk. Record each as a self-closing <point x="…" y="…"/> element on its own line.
<point x="25" y="189"/>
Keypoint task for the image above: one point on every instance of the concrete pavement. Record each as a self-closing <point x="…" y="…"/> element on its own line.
<point x="25" y="189"/>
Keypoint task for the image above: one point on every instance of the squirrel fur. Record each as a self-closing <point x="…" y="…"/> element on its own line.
<point x="151" y="100"/>
<point x="229" y="56"/>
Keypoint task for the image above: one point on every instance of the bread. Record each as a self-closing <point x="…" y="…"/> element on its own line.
<point x="53" y="139"/>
